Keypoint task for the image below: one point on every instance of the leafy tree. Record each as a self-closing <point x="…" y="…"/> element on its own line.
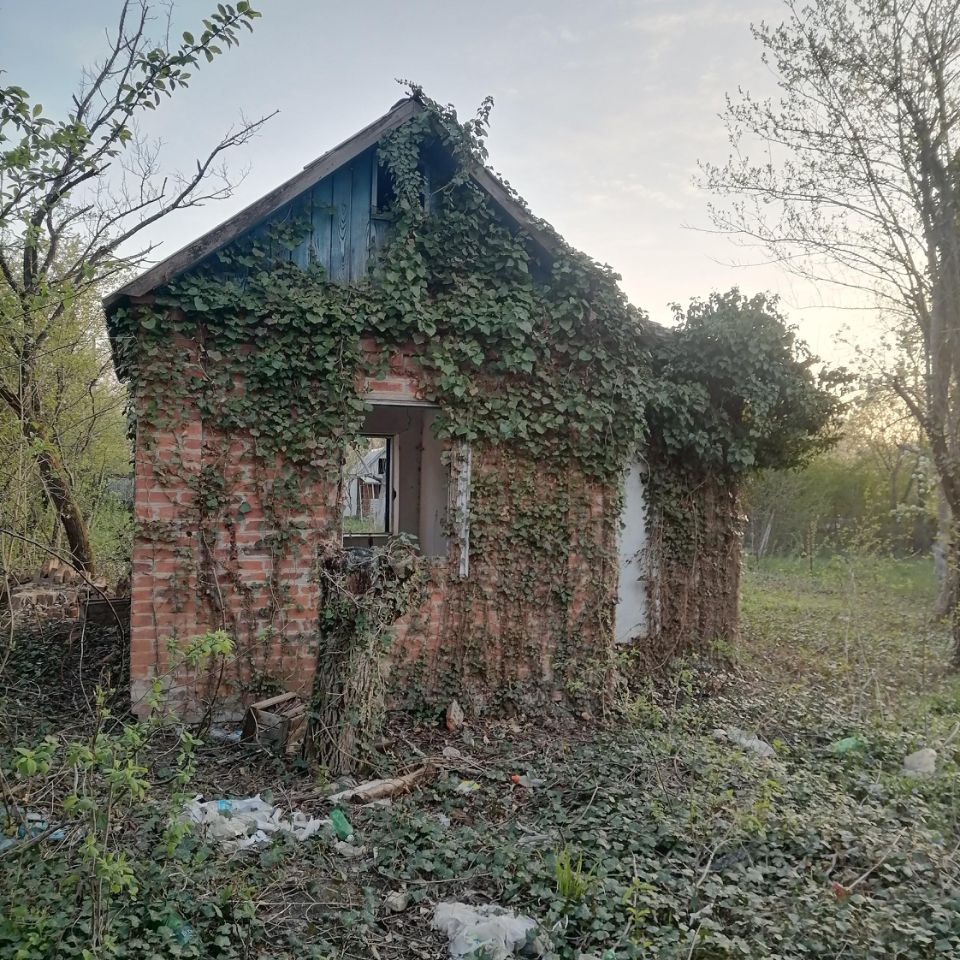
<point x="733" y="392"/>
<point x="736" y="391"/>
<point x="856" y="182"/>
<point x="873" y="492"/>
<point x="85" y="422"/>
<point x="75" y="193"/>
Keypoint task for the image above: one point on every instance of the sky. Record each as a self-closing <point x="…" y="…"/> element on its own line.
<point x="603" y="109"/>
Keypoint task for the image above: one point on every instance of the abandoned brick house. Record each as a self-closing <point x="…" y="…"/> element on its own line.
<point x="538" y="567"/>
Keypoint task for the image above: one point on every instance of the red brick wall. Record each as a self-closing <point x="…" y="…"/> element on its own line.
<point x="529" y="624"/>
<point x="190" y="577"/>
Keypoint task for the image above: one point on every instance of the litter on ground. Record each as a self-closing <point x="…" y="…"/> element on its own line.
<point x="847" y="745"/>
<point x="373" y="790"/>
<point x="250" y="821"/>
<point x="341" y="825"/>
<point x="488" y="931"/>
<point x="922" y="763"/>
<point x="36" y="828"/>
<point x="752" y="743"/>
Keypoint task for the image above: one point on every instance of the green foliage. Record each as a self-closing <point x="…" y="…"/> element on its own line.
<point x="556" y="363"/>
<point x="636" y="842"/>
<point x="697" y="849"/>
<point x="547" y="365"/>
<point x="36" y="144"/>
<point x="724" y="857"/>
<point x="536" y="359"/>
<point x="876" y="491"/>
<point x="736" y="391"/>
<point x="572" y="882"/>
<point x="205" y="647"/>
<point x="162" y="905"/>
<point x="117" y="874"/>
<point x="82" y="409"/>
<point x="892" y="652"/>
<point x="60" y="231"/>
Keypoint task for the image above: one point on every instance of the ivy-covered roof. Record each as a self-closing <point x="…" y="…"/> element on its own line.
<point x="315" y="171"/>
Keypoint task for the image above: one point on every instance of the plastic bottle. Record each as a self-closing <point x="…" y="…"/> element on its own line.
<point x="341" y="825"/>
<point x="182" y="932"/>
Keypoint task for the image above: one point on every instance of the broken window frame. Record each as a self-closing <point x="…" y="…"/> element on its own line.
<point x="462" y="462"/>
<point x="454" y="528"/>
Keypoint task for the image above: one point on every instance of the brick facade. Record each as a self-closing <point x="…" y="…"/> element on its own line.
<point x="471" y="637"/>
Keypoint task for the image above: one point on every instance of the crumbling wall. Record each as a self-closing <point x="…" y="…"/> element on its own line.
<point x="250" y="575"/>
<point x="532" y="623"/>
<point x="224" y="542"/>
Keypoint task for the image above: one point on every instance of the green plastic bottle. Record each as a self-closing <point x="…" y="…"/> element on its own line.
<point x="341" y="825"/>
<point x="182" y="932"/>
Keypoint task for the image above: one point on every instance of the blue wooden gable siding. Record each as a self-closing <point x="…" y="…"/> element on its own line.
<point x="339" y="212"/>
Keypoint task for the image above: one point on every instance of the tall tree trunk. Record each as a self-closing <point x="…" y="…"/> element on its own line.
<point x="59" y="490"/>
<point x="948" y="603"/>
<point x="945" y="572"/>
<point x="56" y="481"/>
<point x="953" y="611"/>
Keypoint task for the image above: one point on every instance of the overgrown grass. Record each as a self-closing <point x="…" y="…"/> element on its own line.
<point x="651" y="837"/>
<point x="858" y="631"/>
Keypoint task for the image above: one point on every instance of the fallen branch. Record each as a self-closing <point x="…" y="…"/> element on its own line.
<point x="374" y="790"/>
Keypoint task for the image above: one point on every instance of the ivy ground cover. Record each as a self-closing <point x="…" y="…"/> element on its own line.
<point x="643" y="834"/>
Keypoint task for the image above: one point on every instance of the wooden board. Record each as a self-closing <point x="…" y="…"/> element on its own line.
<point x="278" y="723"/>
<point x="340" y="240"/>
<point x="360" y="216"/>
<point x="259" y="211"/>
<point x="322" y="219"/>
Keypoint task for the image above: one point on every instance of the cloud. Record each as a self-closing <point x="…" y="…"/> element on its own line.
<point x="631" y="191"/>
<point x="709" y="13"/>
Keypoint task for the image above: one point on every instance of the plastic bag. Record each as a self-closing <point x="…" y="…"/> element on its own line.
<point x="496" y="931"/>
<point x="249" y="821"/>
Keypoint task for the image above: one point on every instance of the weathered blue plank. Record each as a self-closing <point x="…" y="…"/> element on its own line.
<point x="340" y="240"/>
<point x="299" y="213"/>
<point x="361" y="197"/>
<point x="342" y="227"/>
<point x="322" y="218"/>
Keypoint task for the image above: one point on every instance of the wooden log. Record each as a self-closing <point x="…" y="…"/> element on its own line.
<point x="383" y="789"/>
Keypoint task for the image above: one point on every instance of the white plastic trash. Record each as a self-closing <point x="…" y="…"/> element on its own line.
<point x="249" y="821"/>
<point x="921" y="763"/>
<point x="760" y="747"/>
<point x="496" y="931"/>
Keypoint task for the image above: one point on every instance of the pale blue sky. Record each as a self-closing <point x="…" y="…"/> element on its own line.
<point x="602" y="110"/>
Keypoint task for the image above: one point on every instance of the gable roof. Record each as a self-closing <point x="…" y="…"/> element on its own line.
<point x="313" y="173"/>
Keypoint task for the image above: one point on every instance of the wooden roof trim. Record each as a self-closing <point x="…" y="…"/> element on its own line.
<point x="230" y="229"/>
<point x="521" y="216"/>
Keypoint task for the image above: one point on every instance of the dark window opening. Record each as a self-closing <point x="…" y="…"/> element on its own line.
<point x="386" y="195"/>
<point x="395" y="481"/>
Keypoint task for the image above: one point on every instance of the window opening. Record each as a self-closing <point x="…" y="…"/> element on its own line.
<point x="385" y="194"/>
<point x="396" y="480"/>
<point x="367" y="505"/>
